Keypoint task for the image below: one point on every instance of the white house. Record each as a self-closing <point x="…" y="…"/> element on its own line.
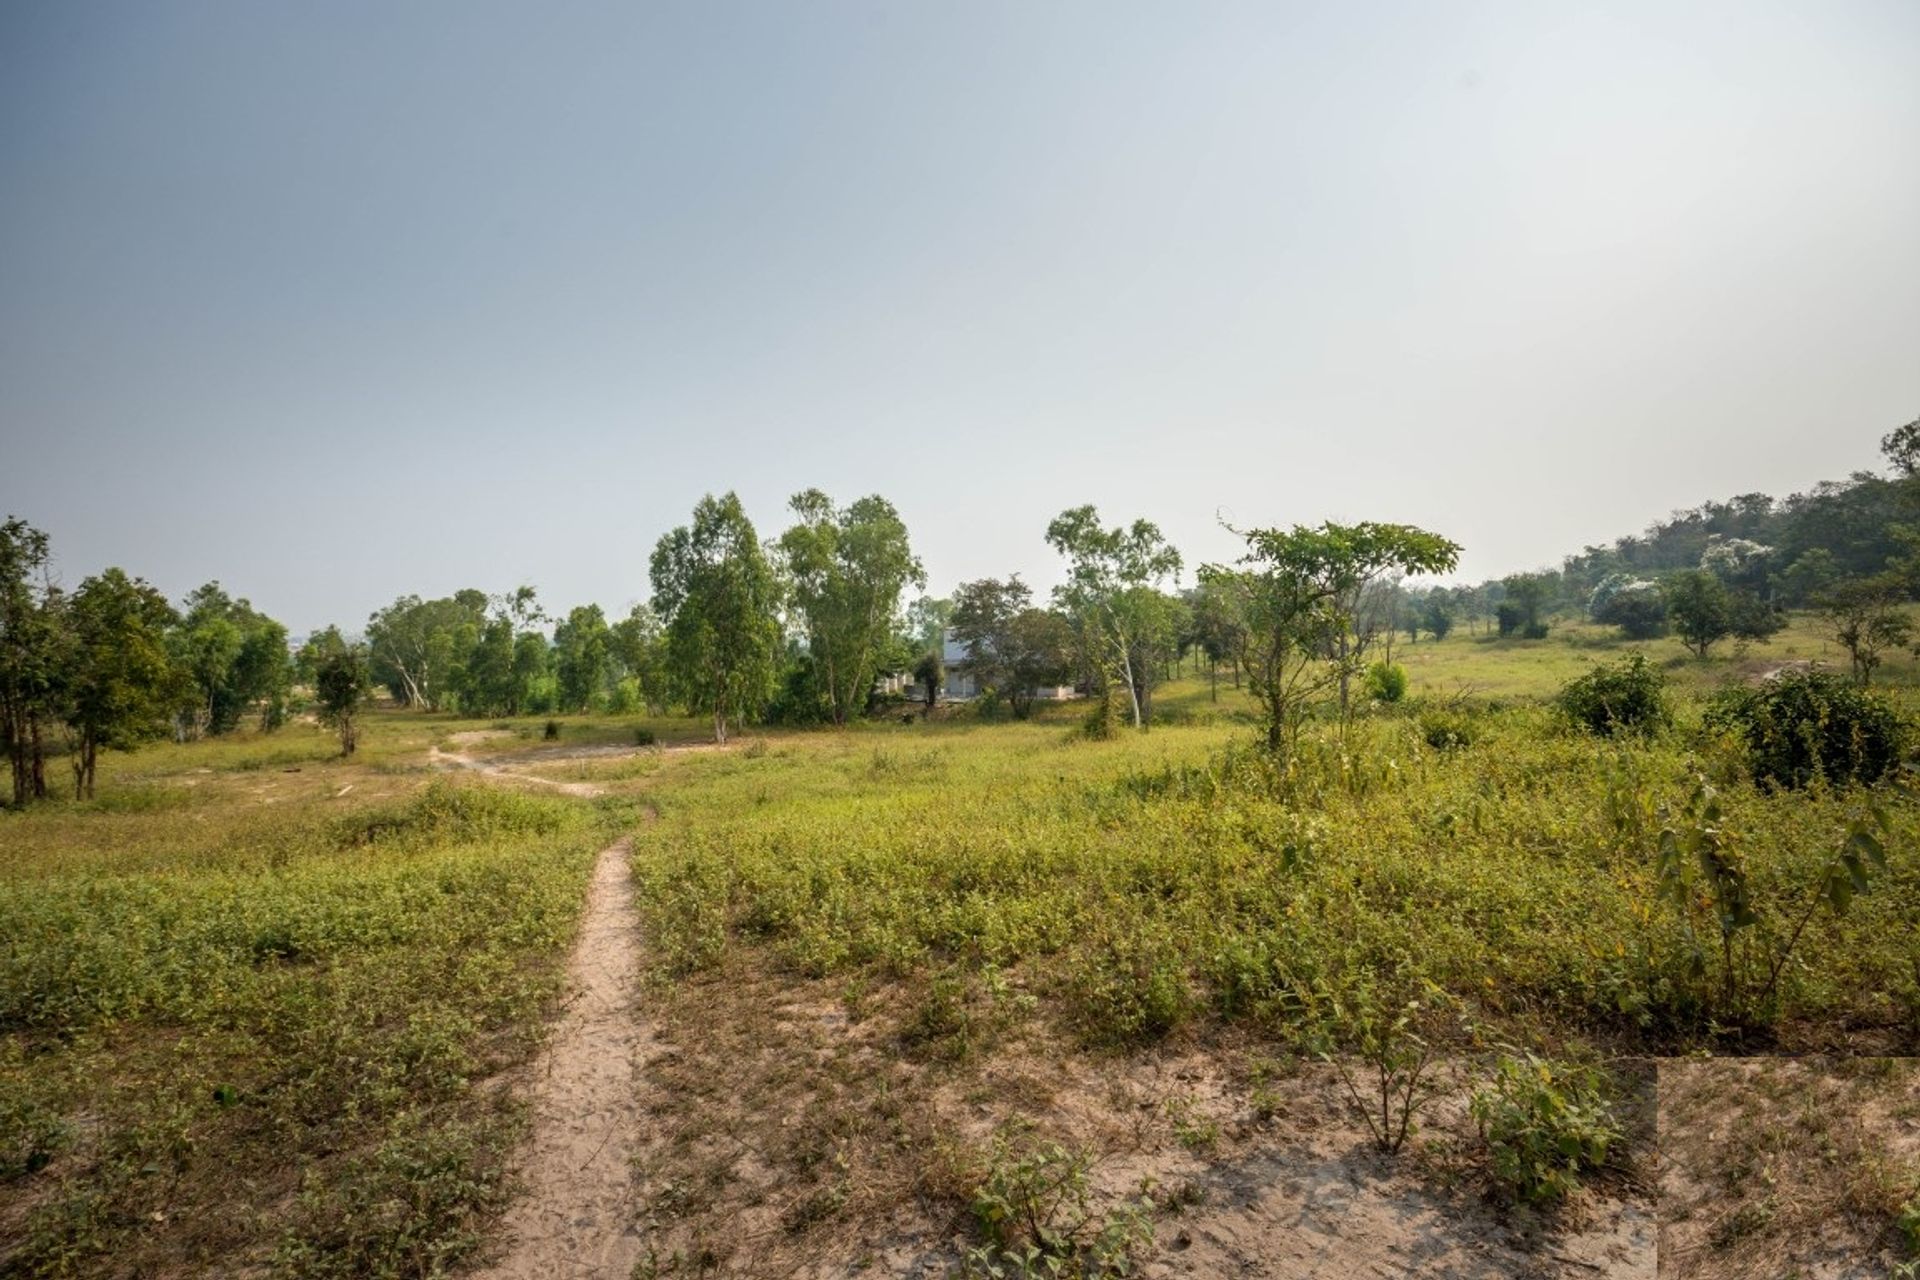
<point x="960" y="684"/>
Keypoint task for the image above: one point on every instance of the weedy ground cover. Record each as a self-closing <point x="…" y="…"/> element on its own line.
<point x="250" y="999"/>
<point x="961" y="926"/>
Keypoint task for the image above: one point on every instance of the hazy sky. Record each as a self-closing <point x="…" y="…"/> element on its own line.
<point x="339" y="301"/>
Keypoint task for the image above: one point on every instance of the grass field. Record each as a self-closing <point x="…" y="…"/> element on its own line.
<point x="259" y="1007"/>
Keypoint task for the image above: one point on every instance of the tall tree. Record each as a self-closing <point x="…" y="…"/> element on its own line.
<point x="1700" y="607"/>
<point x="1214" y="628"/>
<point x="1296" y="596"/>
<point x="119" y="684"/>
<point x="718" y="595"/>
<point x="1012" y="648"/>
<point x="414" y="646"/>
<point x="237" y="659"/>
<point x="1112" y="595"/>
<point x="582" y="657"/>
<point x="845" y="569"/>
<point x="638" y="644"/>
<point x="29" y="656"/>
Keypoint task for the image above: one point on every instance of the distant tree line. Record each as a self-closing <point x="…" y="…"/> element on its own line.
<point x="801" y="628"/>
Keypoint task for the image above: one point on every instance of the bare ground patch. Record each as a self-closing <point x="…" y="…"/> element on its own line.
<point x="1786" y="1167"/>
<point x="819" y="1128"/>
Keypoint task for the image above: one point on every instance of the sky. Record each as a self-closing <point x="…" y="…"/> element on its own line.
<point x="338" y="302"/>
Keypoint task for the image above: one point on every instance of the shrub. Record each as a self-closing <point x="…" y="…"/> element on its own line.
<point x="1386" y="682"/>
<point x="1534" y="631"/>
<point x="643" y="736"/>
<point x="1628" y="696"/>
<point x="1813" y="724"/>
<point x="1447" y="730"/>
<point x="1544" y="1124"/>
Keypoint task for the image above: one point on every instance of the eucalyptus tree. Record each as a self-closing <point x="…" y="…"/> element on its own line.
<point x="118" y="685"/>
<point x="639" y="648"/>
<point x="845" y="570"/>
<point x="414" y="646"/>
<point x="1124" y="622"/>
<point x="719" y="597"/>
<point x="1295" y="594"/>
<point x="582" y="657"/>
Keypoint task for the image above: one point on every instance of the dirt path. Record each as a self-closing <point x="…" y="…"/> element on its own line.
<point x="578" y="1218"/>
<point x="491" y="769"/>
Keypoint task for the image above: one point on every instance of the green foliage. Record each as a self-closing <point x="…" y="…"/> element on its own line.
<point x="1033" y="1204"/>
<point x="1545" y="1124"/>
<point x="1297" y="603"/>
<point x="118" y="685"/>
<point x="236" y="659"/>
<point x="718" y="594"/>
<point x="1392" y="1037"/>
<point x="1130" y="987"/>
<point x="1125" y="625"/>
<point x="1386" y="682"/>
<point x="1636" y="606"/>
<point x="1012" y="648"/>
<point x="342" y="682"/>
<point x="846" y="569"/>
<point x="1701" y="609"/>
<point x="1867" y="616"/>
<point x="298" y="999"/>
<point x="1805" y="725"/>
<point x="1446" y="729"/>
<point x="1626" y="696"/>
<point x="583" y="658"/>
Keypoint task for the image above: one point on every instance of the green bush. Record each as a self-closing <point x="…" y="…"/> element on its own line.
<point x="1813" y="724"/>
<point x="1386" y="682"/>
<point x="1628" y="696"/>
<point x="1545" y="1123"/>
<point x="1534" y="631"/>
<point x="1447" y="730"/>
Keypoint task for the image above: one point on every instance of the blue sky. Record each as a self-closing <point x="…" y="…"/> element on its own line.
<point x="335" y="302"/>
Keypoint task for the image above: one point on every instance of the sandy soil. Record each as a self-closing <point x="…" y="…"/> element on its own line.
<point x="494" y="769"/>
<point x="577" y="1218"/>
<point x="1785" y="1167"/>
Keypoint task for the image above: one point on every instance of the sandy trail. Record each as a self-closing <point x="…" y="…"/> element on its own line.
<point x="579" y="1216"/>
<point x="492" y="769"/>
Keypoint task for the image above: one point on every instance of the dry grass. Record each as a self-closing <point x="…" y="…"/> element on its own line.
<point x="1775" y="1167"/>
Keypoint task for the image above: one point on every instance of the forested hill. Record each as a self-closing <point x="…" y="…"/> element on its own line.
<point x="1838" y="529"/>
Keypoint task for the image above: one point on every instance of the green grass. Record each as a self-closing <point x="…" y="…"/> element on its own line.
<point x="244" y="1018"/>
<point x="1169" y="879"/>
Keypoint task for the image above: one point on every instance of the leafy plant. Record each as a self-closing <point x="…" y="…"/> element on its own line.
<point x="1399" y="1057"/>
<point x="1544" y="1123"/>
<point x="1804" y="725"/>
<point x="1034" y="1206"/>
<point x="1699" y="862"/>
<point x="1386" y="682"/>
<point x="1628" y="696"/>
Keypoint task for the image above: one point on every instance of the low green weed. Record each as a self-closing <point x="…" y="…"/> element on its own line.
<point x="1545" y="1125"/>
